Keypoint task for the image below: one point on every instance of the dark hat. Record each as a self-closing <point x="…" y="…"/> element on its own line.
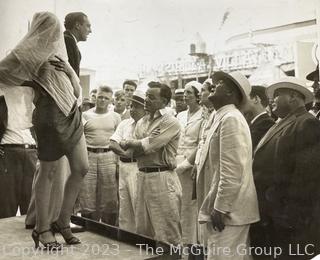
<point x="314" y="75"/>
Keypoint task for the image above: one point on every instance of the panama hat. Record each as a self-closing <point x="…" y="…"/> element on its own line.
<point x="138" y="97"/>
<point x="293" y="83"/>
<point x="240" y="81"/>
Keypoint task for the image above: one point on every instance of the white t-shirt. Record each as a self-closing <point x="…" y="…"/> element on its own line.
<point x="20" y="107"/>
<point x="98" y="128"/>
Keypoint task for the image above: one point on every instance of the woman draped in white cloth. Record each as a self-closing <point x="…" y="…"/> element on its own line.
<point x="40" y="61"/>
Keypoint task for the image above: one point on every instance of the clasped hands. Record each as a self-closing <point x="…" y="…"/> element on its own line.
<point x="126" y="144"/>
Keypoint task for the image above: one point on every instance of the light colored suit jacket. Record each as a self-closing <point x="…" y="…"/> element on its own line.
<point x="227" y="154"/>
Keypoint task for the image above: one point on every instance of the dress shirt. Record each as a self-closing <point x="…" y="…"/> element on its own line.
<point x="159" y="137"/>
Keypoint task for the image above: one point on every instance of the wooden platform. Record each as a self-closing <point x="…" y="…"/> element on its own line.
<point x="99" y="242"/>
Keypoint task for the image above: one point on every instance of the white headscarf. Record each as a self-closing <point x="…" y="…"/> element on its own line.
<point x="29" y="61"/>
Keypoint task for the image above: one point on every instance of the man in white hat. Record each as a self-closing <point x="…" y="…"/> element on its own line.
<point x="286" y="171"/>
<point x="231" y="204"/>
<point x="127" y="165"/>
<point x="179" y="99"/>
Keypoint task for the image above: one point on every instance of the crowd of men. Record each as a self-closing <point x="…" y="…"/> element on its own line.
<point x="215" y="165"/>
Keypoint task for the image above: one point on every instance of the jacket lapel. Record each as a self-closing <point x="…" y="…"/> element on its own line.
<point x="211" y="131"/>
<point x="274" y="130"/>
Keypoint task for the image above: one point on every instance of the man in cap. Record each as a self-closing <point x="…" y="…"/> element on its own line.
<point x="256" y="115"/>
<point x="127" y="165"/>
<point x="158" y="190"/>
<point x="179" y="99"/>
<point x="231" y="203"/>
<point x="286" y="172"/>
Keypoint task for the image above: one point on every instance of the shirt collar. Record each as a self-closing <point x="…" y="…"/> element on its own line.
<point x="222" y="110"/>
<point x="74" y="37"/>
<point x="131" y="121"/>
<point x="159" y="113"/>
<point x="256" y="117"/>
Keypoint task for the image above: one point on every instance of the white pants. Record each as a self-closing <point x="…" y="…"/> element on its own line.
<point x="158" y="206"/>
<point x="99" y="192"/>
<point x="127" y="195"/>
<point x="230" y="244"/>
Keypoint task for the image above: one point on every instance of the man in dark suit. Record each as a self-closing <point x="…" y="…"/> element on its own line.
<point x="286" y="172"/>
<point x="256" y="115"/>
<point x="78" y="28"/>
<point x="314" y="76"/>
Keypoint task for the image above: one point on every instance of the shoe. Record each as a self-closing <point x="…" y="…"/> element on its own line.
<point x="49" y="245"/>
<point x="30" y="226"/>
<point x="69" y="240"/>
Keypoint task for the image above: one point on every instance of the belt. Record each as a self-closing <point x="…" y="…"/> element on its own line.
<point x="155" y="169"/>
<point x="98" y="150"/>
<point x="25" y="146"/>
<point x="127" y="160"/>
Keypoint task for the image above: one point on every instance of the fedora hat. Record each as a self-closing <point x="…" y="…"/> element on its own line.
<point x="314" y="75"/>
<point x="240" y="81"/>
<point x="138" y="97"/>
<point x="293" y="83"/>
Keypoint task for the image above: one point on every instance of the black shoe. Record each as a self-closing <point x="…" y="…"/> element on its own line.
<point x="30" y="226"/>
<point x="49" y="245"/>
<point x="72" y="240"/>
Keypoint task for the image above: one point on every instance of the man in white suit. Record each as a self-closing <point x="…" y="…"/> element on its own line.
<point x="231" y="204"/>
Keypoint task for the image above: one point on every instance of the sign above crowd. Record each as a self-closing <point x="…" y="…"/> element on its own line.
<point x="238" y="59"/>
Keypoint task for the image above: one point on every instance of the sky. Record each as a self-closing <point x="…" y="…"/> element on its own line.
<point x="130" y="35"/>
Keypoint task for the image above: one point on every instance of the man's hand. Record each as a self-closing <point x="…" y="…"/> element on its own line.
<point x="123" y="144"/>
<point x="218" y="219"/>
<point x="61" y="65"/>
<point x="129" y="144"/>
